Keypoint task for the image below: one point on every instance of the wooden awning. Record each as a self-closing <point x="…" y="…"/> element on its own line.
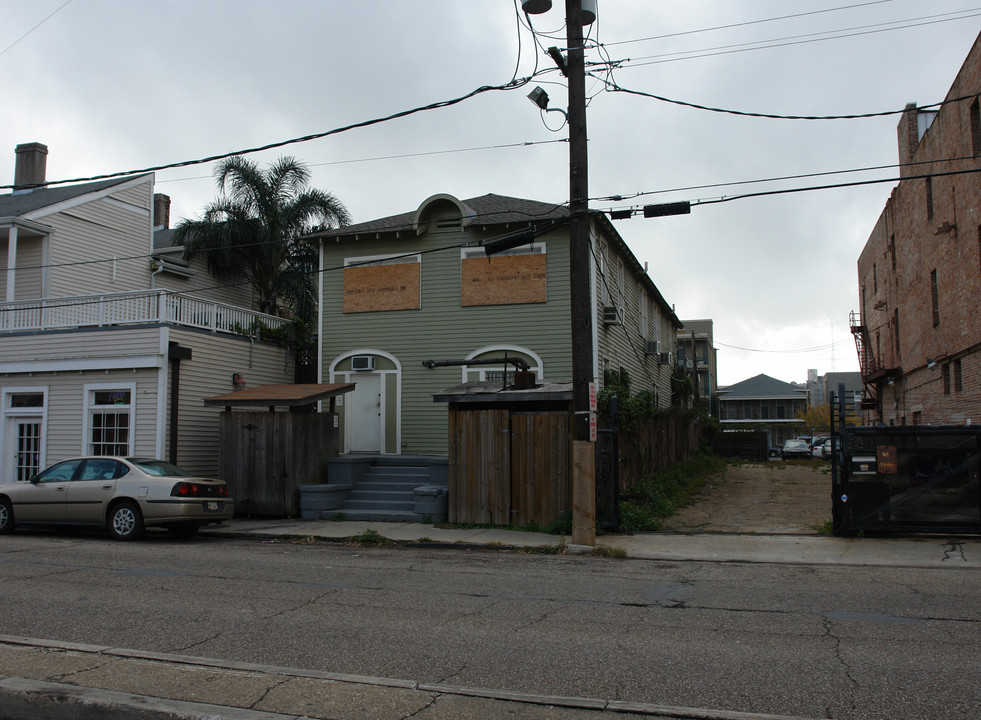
<point x="280" y="395"/>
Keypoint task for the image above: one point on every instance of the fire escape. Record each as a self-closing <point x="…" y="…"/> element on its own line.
<point x="873" y="369"/>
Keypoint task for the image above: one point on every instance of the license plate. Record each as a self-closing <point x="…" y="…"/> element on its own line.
<point x="212" y="506"/>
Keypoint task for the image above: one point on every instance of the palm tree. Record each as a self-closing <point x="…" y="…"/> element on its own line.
<point x="251" y="232"/>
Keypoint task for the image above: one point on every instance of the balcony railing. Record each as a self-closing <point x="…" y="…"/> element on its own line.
<point x="132" y="308"/>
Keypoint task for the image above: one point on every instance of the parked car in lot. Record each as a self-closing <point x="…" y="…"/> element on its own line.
<point x="122" y="494"/>
<point x="822" y="448"/>
<point x="795" y="448"/>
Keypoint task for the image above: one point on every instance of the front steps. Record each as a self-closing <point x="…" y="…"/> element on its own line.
<point x="383" y="487"/>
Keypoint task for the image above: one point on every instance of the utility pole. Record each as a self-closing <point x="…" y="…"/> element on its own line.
<point x="583" y="451"/>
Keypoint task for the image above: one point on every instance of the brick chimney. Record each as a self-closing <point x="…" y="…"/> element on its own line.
<point x="909" y="138"/>
<point x="32" y="159"/>
<point x="161" y="211"/>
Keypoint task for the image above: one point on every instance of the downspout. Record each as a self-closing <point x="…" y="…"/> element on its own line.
<point x="175" y="353"/>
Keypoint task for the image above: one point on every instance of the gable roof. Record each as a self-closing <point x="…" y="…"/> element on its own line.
<point x="762" y="386"/>
<point x="488" y="209"/>
<point x="21" y="202"/>
<point x="491" y="209"/>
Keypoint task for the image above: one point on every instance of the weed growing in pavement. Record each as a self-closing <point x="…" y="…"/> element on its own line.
<point x="338" y="517"/>
<point x="825" y="528"/>
<point x="652" y="499"/>
<point x="371" y="537"/>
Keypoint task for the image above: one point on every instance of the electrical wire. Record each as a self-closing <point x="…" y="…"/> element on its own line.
<point x="513" y="85"/>
<point x="816" y="348"/>
<point x="49" y="16"/>
<point x="620" y="198"/>
<point x="748" y="22"/>
<point x="613" y="87"/>
<point x="803" y="39"/>
<point x="428" y="153"/>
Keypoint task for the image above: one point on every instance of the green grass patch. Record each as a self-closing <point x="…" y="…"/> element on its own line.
<point x="644" y="507"/>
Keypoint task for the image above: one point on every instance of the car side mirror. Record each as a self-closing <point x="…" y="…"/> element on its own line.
<point x="35" y="478"/>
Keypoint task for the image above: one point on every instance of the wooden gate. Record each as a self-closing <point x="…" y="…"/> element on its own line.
<point x="509" y="468"/>
<point x="266" y="456"/>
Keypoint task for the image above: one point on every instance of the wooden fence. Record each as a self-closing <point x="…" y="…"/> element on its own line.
<point x="508" y="467"/>
<point x="266" y="456"/>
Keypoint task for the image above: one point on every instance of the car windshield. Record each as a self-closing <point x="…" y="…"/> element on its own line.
<point x="796" y="443"/>
<point x="158" y="467"/>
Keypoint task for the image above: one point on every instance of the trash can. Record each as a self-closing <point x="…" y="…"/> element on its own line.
<point x="431" y="502"/>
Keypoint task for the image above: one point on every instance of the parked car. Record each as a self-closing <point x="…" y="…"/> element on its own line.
<point x="122" y="494"/>
<point x="822" y="448"/>
<point x="795" y="448"/>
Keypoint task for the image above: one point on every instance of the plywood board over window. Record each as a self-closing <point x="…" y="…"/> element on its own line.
<point x="375" y="288"/>
<point x="505" y="280"/>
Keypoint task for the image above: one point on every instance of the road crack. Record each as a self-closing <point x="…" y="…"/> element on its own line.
<point x="954" y="551"/>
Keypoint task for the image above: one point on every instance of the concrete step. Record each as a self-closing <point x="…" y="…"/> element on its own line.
<point x="385" y="486"/>
<point x="385" y="505"/>
<point x="381" y="516"/>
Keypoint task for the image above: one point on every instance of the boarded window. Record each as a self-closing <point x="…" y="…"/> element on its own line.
<point x="376" y="284"/>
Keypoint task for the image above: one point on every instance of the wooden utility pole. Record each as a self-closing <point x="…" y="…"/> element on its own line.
<point x="581" y="292"/>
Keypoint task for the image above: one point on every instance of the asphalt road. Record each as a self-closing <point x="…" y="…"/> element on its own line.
<point x="838" y="642"/>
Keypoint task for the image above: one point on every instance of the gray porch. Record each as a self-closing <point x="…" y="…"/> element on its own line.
<point x="395" y="488"/>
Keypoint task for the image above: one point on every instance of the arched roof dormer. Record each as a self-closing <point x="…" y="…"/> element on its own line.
<point x="442" y="213"/>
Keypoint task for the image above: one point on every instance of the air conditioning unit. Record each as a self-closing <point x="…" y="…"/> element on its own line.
<point x="610" y="315"/>
<point x="664" y="358"/>
<point x="363" y="362"/>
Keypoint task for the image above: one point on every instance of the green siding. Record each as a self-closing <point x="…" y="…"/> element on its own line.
<point x="441" y="329"/>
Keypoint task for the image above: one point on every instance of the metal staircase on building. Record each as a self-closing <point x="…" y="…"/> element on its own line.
<point x="871" y="366"/>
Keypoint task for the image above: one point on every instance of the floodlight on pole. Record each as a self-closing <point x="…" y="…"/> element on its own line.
<point x="540" y="98"/>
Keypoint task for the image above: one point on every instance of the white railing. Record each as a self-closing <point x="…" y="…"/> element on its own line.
<point x="132" y="308"/>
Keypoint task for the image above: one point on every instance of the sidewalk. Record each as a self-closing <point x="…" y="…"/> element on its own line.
<point x="931" y="551"/>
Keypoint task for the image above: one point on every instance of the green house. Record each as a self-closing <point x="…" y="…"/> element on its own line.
<point x="411" y="305"/>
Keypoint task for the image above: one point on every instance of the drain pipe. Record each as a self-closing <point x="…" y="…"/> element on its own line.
<point x="175" y="353"/>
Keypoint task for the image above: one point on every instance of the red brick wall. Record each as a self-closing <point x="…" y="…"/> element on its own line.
<point x="949" y="243"/>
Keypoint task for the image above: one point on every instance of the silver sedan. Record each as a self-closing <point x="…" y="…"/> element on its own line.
<point x="122" y="494"/>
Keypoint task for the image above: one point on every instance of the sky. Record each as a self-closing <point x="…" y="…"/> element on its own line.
<point x="119" y="85"/>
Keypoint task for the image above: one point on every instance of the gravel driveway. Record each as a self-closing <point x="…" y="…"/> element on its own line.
<point x="764" y="498"/>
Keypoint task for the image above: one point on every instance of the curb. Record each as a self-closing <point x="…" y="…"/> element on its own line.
<point x="40" y="700"/>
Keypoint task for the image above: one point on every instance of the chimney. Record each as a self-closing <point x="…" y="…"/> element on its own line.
<point x="909" y="138"/>
<point x="32" y="159"/>
<point x="161" y="211"/>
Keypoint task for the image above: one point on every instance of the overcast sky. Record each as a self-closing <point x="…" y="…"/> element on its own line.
<point x="112" y="85"/>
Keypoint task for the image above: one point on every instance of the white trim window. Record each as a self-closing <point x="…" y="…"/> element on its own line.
<point x="374" y="260"/>
<point x="109" y="419"/>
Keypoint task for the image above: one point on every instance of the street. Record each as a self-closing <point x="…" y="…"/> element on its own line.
<point x="842" y="642"/>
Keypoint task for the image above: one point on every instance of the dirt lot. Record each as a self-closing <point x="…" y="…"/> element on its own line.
<point x="763" y="498"/>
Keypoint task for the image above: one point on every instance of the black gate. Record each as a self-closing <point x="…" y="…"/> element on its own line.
<point x="909" y="479"/>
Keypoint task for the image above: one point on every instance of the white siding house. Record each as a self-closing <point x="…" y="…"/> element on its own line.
<point x="104" y="349"/>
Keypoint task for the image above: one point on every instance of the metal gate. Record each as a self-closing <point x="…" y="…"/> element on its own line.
<point x="910" y="479"/>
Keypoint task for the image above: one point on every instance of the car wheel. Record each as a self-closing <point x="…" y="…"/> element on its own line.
<point x="184" y="530"/>
<point x="6" y="517"/>
<point x="125" y="521"/>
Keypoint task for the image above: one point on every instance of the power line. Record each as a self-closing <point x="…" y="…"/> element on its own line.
<point x="748" y="22"/>
<point x="50" y="15"/>
<point x="800" y="176"/>
<point x="816" y="348"/>
<point x="803" y="39"/>
<point x="512" y="85"/>
<point x="428" y="153"/>
<point x="614" y="87"/>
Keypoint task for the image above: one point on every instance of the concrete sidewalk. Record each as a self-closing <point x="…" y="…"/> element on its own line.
<point x="931" y="551"/>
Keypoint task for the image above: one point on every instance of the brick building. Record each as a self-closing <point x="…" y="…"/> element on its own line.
<point x="918" y="332"/>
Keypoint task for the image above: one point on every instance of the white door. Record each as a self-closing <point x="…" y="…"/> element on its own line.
<point x="22" y="454"/>
<point x="364" y="414"/>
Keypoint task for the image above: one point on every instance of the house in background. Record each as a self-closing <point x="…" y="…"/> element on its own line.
<point x="918" y="330"/>
<point x="412" y="305"/>
<point x="764" y="403"/>
<point x="698" y="358"/>
<point x="108" y="343"/>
